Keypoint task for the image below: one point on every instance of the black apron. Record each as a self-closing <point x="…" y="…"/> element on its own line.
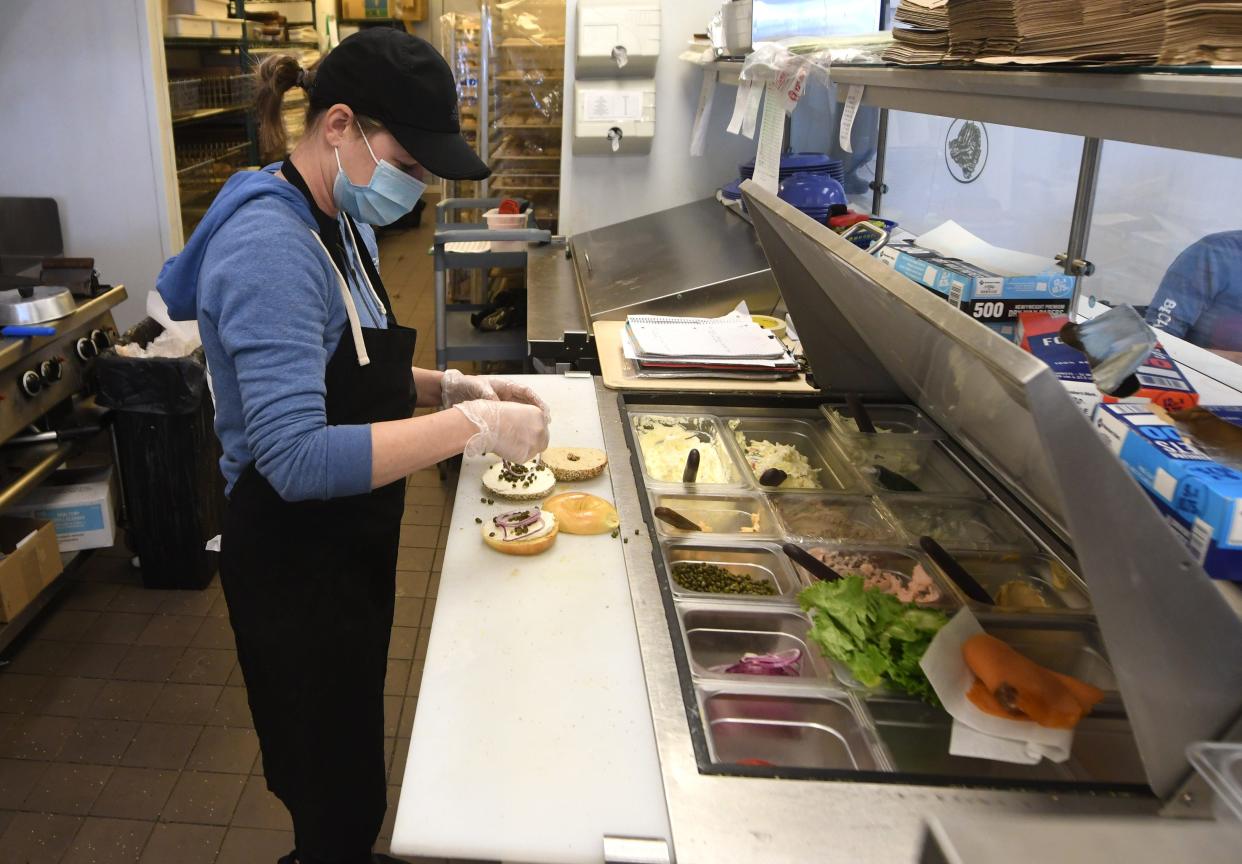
<point x="310" y="587"/>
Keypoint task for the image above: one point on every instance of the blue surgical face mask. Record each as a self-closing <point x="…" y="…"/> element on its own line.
<point x="390" y="195"/>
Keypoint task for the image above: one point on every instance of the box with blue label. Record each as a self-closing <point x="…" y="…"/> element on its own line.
<point x="989" y="298"/>
<point x="78" y="501"/>
<point x="1200" y="498"/>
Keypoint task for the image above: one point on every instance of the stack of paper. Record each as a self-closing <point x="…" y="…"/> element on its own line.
<point x="1110" y="32"/>
<point x="1202" y="32"/>
<point x="732" y="346"/>
<point x="924" y="34"/>
<point x="979" y="27"/>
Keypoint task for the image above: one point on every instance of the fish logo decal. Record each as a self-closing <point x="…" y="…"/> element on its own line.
<point x="966" y="150"/>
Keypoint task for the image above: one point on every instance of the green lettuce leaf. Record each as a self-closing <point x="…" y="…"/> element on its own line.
<point x="879" y="638"/>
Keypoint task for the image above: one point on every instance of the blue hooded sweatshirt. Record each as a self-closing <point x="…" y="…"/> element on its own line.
<point x="270" y="312"/>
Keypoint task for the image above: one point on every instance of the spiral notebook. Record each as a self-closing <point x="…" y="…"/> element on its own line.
<point x="733" y="336"/>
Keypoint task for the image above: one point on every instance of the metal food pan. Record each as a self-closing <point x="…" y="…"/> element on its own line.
<point x="731" y="516"/>
<point x="835" y="519"/>
<point x="760" y="562"/>
<point x="889" y="421"/>
<point x="920" y="461"/>
<point x="698" y="430"/>
<point x="958" y="523"/>
<point x="1024" y="583"/>
<point x="863" y="561"/>
<point x="786" y="731"/>
<point x="717" y="636"/>
<point x="916" y="736"/>
<point x="829" y="471"/>
<point x="1071" y="650"/>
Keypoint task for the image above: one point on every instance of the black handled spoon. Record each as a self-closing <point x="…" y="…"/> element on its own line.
<point x="810" y="563"/>
<point x="691" y="471"/>
<point x="672" y="517"/>
<point x="956" y="571"/>
<point x="862" y="418"/>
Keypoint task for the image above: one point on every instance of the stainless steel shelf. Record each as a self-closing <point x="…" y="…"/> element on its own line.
<point x="1201" y="113"/>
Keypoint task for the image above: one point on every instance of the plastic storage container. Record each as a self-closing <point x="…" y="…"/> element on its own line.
<point x="227" y="29"/>
<point x="168" y="455"/>
<point x="497" y="221"/>
<point x="203" y="8"/>
<point x="187" y="27"/>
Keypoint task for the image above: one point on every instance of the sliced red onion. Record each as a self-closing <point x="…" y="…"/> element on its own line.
<point x="512" y="520"/>
<point x="780" y="663"/>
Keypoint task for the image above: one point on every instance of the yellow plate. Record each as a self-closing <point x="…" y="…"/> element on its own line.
<point x="767" y="322"/>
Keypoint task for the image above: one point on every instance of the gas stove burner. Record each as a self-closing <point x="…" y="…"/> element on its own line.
<point x="35" y="304"/>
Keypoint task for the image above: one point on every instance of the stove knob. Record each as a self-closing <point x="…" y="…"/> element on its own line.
<point x="102" y="339"/>
<point x="52" y="370"/>
<point x="86" y="349"/>
<point x="31" y="383"/>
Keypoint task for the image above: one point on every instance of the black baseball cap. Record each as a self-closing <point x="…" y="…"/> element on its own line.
<point x="404" y="83"/>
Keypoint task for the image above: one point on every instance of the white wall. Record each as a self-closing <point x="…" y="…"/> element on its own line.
<point x="78" y="104"/>
<point x="601" y="190"/>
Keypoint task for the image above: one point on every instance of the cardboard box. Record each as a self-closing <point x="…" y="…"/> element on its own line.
<point x="1068" y="364"/>
<point x="31" y="561"/>
<point x="993" y="300"/>
<point x="1200" y="499"/>
<point x="78" y="501"/>
<point x="1162" y="380"/>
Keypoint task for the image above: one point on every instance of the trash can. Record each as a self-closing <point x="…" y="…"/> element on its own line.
<point x="168" y="457"/>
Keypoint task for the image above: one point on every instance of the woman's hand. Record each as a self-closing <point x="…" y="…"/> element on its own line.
<point x="514" y="431"/>
<point x="456" y="388"/>
<point x="511" y="391"/>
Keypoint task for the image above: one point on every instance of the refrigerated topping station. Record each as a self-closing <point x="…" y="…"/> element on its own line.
<point x="591" y="703"/>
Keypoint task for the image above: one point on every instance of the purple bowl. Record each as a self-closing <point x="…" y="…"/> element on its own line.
<point x="798" y="163"/>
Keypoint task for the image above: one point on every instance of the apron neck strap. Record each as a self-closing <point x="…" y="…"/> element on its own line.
<point x="351" y="311"/>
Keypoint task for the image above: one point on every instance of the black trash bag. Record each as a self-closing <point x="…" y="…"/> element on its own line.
<point x="150" y="385"/>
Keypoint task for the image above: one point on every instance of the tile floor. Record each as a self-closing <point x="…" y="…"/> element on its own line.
<point x="124" y="730"/>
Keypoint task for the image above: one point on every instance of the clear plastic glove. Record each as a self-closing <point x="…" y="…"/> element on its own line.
<point x="513" y="431"/>
<point x="456" y="387"/>
<point x="511" y="391"/>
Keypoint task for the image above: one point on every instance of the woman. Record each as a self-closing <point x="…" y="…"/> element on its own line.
<point x="314" y="393"/>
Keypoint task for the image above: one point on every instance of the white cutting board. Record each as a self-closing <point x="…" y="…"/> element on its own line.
<point x="533" y="736"/>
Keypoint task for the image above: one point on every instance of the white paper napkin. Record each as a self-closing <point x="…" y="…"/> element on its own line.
<point x="976" y="733"/>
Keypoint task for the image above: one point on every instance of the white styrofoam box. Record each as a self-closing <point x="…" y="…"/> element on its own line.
<point x="187" y="26"/>
<point x="227" y="29"/>
<point x="624" y="105"/>
<point x="202" y="8"/>
<point x="618" y="37"/>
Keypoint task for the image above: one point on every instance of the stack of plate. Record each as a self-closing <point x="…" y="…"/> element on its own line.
<point x="732" y="191"/>
<point x="802" y="163"/>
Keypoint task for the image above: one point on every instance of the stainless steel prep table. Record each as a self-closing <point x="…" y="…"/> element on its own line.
<point x="877" y="334"/>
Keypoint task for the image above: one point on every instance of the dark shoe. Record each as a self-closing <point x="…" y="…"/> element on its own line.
<point x="291" y="858"/>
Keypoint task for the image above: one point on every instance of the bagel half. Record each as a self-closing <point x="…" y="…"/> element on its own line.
<point x="582" y="513"/>
<point x="573" y="464"/>
<point x="533" y="546"/>
<point x="532" y="482"/>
